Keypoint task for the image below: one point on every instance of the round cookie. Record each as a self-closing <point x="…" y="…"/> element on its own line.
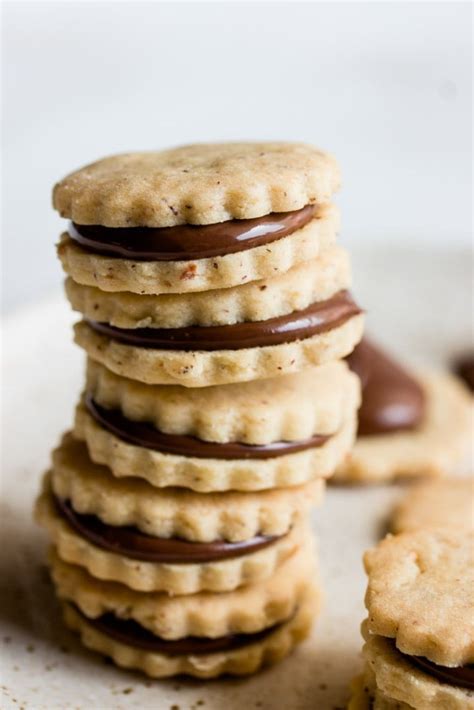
<point x="447" y="503"/>
<point x="207" y="367"/>
<point x="92" y="489"/>
<point x="197" y="184"/>
<point x="250" y="437"/>
<point x="289" y="408"/>
<point x="187" y="274"/>
<point x="196" y="218"/>
<point x="246" y="610"/>
<point x="208" y="475"/>
<point x="280" y="294"/>
<point x="259" y="651"/>
<point x="434" y="448"/>
<point x="405" y="685"/>
<point x="147" y="564"/>
<point x="421" y="594"/>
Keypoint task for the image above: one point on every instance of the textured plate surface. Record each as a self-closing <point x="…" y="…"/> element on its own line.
<point x="43" y="665"/>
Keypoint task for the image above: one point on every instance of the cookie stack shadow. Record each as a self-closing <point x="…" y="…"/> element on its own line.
<point x="215" y="317"/>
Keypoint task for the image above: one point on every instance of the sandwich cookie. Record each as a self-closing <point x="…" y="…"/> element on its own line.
<point x="196" y="218"/>
<point x="148" y="563"/>
<point x="419" y="635"/>
<point x="408" y="426"/>
<point x="131" y="647"/>
<point x="232" y="516"/>
<point x="247" y="610"/>
<point x="264" y="434"/>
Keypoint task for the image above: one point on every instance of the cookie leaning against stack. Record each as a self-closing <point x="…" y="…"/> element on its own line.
<point x="215" y="316"/>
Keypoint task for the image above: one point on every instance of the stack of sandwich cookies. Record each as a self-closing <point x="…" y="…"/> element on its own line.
<point x="215" y="312"/>
<point x="145" y="245"/>
<point x="419" y="635"/>
<point x="409" y="425"/>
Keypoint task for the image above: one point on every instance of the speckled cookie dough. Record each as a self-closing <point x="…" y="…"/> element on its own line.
<point x="249" y="659"/>
<point x="176" y="512"/>
<point x="208" y="475"/>
<point x="172" y="578"/>
<point x="217" y="367"/>
<point x="287" y="408"/>
<point x="313" y="280"/>
<point x="246" y="610"/>
<point x="197" y="184"/>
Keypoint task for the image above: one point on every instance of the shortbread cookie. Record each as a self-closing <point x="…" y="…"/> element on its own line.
<point x="131" y="647"/>
<point x="198" y="217"/>
<point x="436" y="447"/>
<point x="366" y="696"/>
<point x="304" y="339"/>
<point x="421" y="593"/>
<point x="150" y="564"/>
<point x="313" y="280"/>
<point x="288" y="408"/>
<point x="197" y="184"/>
<point x="246" y="610"/>
<point x="188" y="274"/>
<point x="448" y="503"/>
<point x="403" y="680"/>
<point x="314" y="458"/>
<point x="92" y="489"/>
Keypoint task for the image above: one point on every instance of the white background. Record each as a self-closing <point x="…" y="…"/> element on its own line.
<point x="385" y="86"/>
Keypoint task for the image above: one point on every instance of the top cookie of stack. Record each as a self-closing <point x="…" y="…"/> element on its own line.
<point x="208" y="264"/>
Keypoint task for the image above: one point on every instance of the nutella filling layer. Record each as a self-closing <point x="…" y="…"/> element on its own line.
<point x="129" y="632"/>
<point x="391" y="399"/>
<point x="464" y="368"/>
<point x="188" y="241"/>
<point x="131" y="542"/>
<point x="319" y="317"/>
<point x="146" y="435"/>
<point x="461" y="676"/>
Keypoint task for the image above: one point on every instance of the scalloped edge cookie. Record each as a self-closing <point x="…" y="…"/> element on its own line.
<point x="287" y="408"/>
<point x="435" y="448"/>
<point x="248" y="609"/>
<point x="205" y="368"/>
<point x="446" y="503"/>
<point x="401" y="680"/>
<point x="221" y="576"/>
<point x="243" y="661"/>
<point x="296" y="289"/>
<point x="197" y="184"/>
<point x="420" y="592"/>
<point x="176" y="512"/>
<point x="214" y="475"/>
<point x="179" y="277"/>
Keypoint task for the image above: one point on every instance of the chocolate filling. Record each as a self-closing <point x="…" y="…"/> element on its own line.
<point x="391" y="399"/>
<point x="462" y="676"/>
<point x="146" y="435"/>
<point x="187" y="241"/>
<point x="129" y="632"/>
<point x="319" y="317"/>
<point x="464" y="368"/>
<point x="131" y="542"/>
